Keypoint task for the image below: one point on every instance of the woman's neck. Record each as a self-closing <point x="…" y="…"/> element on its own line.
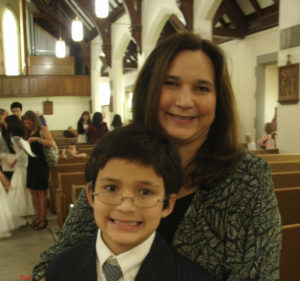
<point x="187" y="153"/>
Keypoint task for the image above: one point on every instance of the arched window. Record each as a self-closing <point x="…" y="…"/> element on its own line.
<point x="10" y="43"/>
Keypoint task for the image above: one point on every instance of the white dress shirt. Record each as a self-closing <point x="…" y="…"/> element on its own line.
<point x="130" y="261"/>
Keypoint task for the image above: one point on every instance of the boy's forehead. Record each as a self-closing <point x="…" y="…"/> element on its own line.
<point x="123" y="169"/>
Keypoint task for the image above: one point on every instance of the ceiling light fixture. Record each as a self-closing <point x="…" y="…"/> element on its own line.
<point x="60" y="49"/>
<point x="77" y="29"/>
<point x="101" y="8"/>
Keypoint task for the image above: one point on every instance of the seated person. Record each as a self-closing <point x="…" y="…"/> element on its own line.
<point x="133" y="176"/>
<point x="267" y="141"/>
<point x="70" y="132"/>
<point x="73" y="152"/>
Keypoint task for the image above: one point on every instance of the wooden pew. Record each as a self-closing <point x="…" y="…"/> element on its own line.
<point x="289" y="205"/>
<point x="76" y="189"/>
<point x="60" y="139"/>
<point x="64" y="193"/>
<point x="286" y="179"/>
<point x="280" y="157"/>
<point x="290" y="253"/>
<point x="265" y="151"/>
<point x="285" y="166"/>
<point x="53" y="182"/>
<point x="73" y="160"/>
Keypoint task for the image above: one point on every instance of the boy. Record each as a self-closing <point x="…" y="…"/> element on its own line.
<point x="16" y="109"/>
<point x="134" y="175"/>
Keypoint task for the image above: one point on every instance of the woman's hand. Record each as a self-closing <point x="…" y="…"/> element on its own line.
<point x="33" y="139"/>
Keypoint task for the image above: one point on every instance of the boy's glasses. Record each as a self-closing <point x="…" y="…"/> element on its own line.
<point x="140" y="200"/>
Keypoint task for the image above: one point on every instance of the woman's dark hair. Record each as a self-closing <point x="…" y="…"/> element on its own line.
<point x="140" y="145"/>
<point x="220" y="153"/>
<point x="80" y="127"/>
<point x="36" y="123"/>
<point x="116" y="122"/>
<point x="14" y="126"/>
<point x="97" y="119"/>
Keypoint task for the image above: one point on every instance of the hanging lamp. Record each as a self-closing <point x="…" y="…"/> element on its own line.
<point x="101" y="8"/>
<point x="77" y="29"/>
<point x="60" y="50"/>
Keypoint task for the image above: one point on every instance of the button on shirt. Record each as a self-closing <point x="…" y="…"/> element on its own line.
<point x="130" y="261"/>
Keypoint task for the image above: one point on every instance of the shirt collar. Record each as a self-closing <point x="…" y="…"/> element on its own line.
<point x="130" y="261"/>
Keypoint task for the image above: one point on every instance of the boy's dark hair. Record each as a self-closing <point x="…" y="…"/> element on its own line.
<point x="141" y="145"/>
<point x="16" y="105"/>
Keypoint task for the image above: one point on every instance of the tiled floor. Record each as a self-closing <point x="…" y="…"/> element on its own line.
<point x="21" y="252"/>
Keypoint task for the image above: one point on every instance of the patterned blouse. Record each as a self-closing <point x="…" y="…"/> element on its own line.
<point x="233" y="230"/>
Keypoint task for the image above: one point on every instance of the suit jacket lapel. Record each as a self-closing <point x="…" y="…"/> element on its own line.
<point x="159" y="265"/>
<point x="85" y="269"/>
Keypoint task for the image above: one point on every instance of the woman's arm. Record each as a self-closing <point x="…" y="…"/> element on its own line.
<point x="46" y="140"/>
<point x="257" y="243"/>
<point x="78" y="226"/>
<point x="262" y="141"/>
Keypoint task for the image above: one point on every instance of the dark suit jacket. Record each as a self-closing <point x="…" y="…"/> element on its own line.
<point x="161" y="264"/>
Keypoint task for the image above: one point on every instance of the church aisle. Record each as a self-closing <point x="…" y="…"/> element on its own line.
<point x="21" y="252"/>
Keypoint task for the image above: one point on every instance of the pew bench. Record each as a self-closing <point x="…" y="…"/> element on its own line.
<point x="54" y="182"/>
<point x="289" y="205"/>
<point x="76" y="190"/>
<point x="280" y="157"/>
<point x="286" y="179"/>
<point x="64" y="193"/>
<point x="290" y="253"/>
<point x="285" y="166"/>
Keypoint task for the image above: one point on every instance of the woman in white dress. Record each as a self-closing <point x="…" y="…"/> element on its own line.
<point x="19" y="196"/>
<point x="8" y="221"/>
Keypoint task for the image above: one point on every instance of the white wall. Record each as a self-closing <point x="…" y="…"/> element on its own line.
<point x="271" y="91"/>
<point x="288" y="116"/>
<point x="66" y="110"/>
<point x="242" y="55"/>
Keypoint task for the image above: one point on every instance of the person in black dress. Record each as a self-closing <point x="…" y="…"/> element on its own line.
<point x="37" y="169"/>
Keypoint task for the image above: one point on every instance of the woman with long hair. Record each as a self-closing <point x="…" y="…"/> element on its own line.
<point x="116" y="122"/>
<point x="19" y="196"/>
<point x="82" y="125"/>
<point x="37" y="169"/>
<point x="226" y="216"/>
<point x="97" y="128"/>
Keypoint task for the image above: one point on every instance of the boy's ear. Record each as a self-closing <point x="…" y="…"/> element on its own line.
<point x="89" y="194"/>
<point x="171" y="203"/>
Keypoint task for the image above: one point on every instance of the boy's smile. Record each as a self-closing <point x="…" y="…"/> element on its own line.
<point x="124" y="226"/>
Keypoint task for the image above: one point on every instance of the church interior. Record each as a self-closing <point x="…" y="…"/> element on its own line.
<point x="63" y="57"/>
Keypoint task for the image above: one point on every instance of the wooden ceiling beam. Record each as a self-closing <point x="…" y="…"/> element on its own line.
<point x="227" y="32"/>
<point x="256" y="6"/>
<point x="268" y="19"/>
<point x="219" y="14"/>
<point x="51" y="13"/>
<point x="103" y="27"/>
<point x="135" y="14"/>
<point x="187" y="9"/>
<point x="235" y="14"/>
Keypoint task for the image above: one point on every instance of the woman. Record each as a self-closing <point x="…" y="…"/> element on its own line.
<point x="226" y="216"/>
<point x="97" y="128"/>
<point x="37" y="169"/>
<point x="19" y="196"/>
<point x="82" y="124"/>
<point x="116" y="122"/>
